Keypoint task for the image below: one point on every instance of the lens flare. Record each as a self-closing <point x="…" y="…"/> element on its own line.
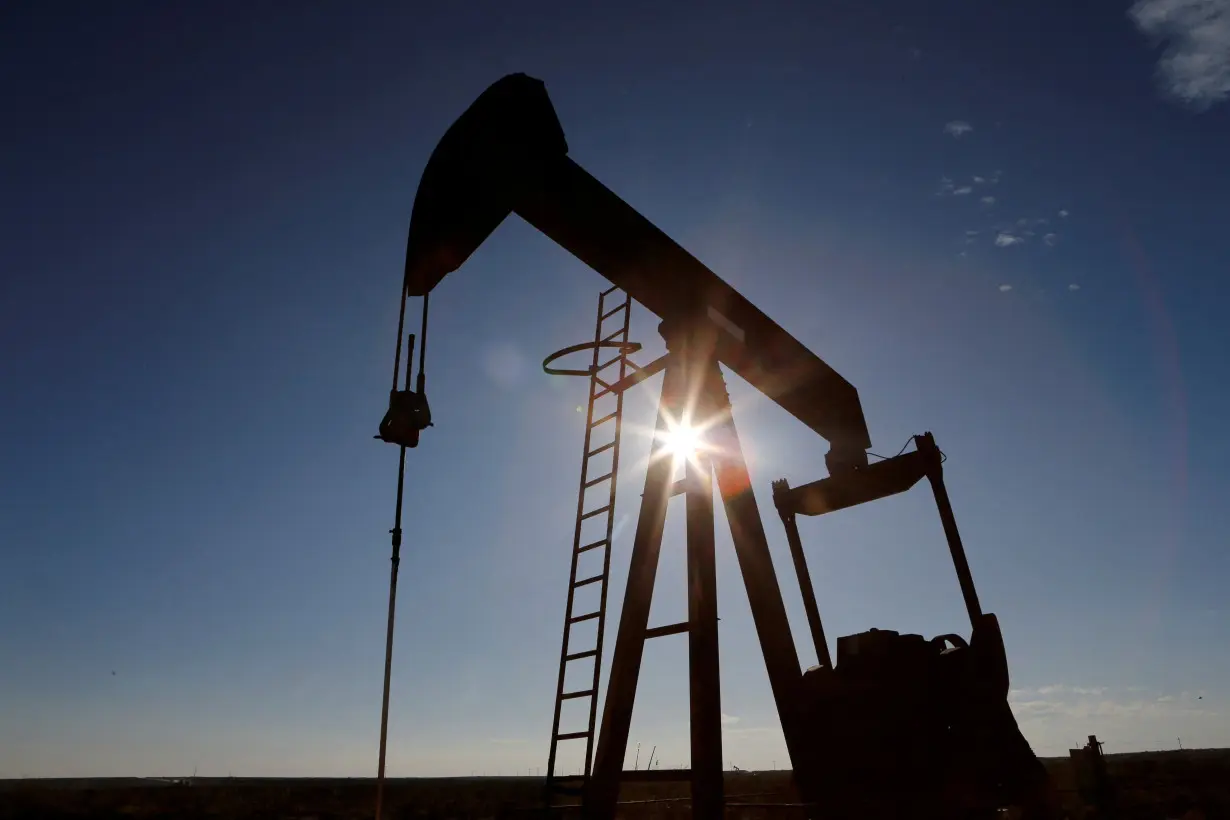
<point x="681" y="440"/>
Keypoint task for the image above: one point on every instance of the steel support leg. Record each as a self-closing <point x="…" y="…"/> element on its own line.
<point x="755" y="562"/>
<point x="935" y="475"/>
<point x="791" y="523"/>
<point x="602" y="791"/>
<point x="693" y="385"/>
<point x="704" y="668"/>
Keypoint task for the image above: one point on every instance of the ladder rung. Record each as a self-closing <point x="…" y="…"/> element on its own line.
<point x="610" y="290"/>
<point x="608" y="363"/>
<point x="601" y="449"/>
<point x="603" y="392"/>
<point x="572" y="735"/>
<point x="576" y="656"/>
<point x="592" y="546"/>
<point x="598" y="511"/>
<point x="591" y="580"/>
<point x="589" y="616"/>
<point x="669" y="629"/>
<point x="605" y="419"/>
<point x="584" y="693"/>
<point x="598" y="480"/>
<point x="612" y="312"/>
<point x="611" y="338"/>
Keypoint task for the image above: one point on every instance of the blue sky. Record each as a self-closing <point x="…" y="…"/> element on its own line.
<point x="1002" y="222"/>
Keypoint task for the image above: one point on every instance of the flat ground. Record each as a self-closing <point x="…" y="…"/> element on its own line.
<point x="1151" y="785"/>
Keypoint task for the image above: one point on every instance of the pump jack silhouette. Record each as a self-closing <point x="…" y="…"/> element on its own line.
<point x="898" y="725"/>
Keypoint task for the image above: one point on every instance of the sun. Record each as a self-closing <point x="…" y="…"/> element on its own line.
<point x="682" y="440"/>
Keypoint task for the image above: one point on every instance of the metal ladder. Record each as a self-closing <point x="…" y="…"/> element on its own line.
<point x="599" y="388"/>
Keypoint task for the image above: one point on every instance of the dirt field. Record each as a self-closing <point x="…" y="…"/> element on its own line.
<point x="1153" y="786"/>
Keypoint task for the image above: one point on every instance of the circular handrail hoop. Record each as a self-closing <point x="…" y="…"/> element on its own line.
<point x="625" y="348"/>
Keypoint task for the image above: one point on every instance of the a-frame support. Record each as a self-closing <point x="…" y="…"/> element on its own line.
<point x="694" y="392"/>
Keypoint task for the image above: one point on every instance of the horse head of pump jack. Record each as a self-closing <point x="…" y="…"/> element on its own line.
<point x="507" y="154"/>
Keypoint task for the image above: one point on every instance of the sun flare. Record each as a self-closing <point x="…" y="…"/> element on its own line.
<point x="682" y="440"/>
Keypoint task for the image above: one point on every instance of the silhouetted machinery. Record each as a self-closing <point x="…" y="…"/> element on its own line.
<point x="899" y="725"/>
<point x="902" y="726"/>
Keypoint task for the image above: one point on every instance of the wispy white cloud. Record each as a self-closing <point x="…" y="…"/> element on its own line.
<point x="752" y="731"/>
<point x="1030" y="694"/>
<point x="949" y="186"/>
<point x="988" y="200"/>
<point x="1052" y="710"/>
<point x="1195" y="66"/>
<point x="1074" y="286"/>
<point x="1051" y="239"/>
<point x="958" y="128"/>
<point x="729" y="720"/>
<point x="1021" y="230"/>
<point x="1063" y="214"/>
<point x="1004" y="288"/>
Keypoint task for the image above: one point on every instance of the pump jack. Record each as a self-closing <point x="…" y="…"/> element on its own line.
<point x="898" y="726"/>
